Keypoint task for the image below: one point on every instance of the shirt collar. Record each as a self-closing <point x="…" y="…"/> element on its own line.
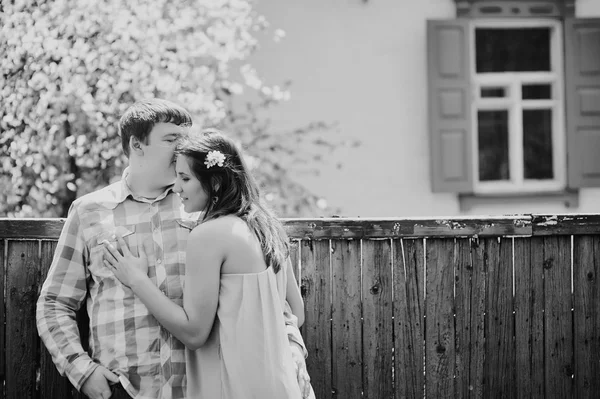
<point x="125" y="191"/>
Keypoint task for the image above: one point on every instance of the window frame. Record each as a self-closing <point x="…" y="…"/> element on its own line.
<point x="515" y="105"/>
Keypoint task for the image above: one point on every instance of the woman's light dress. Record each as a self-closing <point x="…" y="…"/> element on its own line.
<point x="247" y="354"/>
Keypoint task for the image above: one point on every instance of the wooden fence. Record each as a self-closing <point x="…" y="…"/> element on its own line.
<point x="395" y="308"/>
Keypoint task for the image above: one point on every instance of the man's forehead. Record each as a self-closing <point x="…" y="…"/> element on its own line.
<point x="164" y="129"/>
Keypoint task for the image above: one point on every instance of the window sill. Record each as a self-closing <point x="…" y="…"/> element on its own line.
<point x="570" y="198"/>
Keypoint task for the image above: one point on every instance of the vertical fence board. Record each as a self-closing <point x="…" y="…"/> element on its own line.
<point x="469" y="300"/>
<point x="377" y="319"/>
<point x="557" y="316"/>
<point x="316" y="280"/>
<point x="499" y="371"/>
<point x="479" y="289"/>
<point x="439" y="316"/>
<point x="529" y="317"/>
<point x="2" y="353"/>
<point x="21" y="332"/>
<point x="586" y="297"/>
<point x="346" y="319"/>
<point x="409" y="275"/>
<point x="52" y="384"/>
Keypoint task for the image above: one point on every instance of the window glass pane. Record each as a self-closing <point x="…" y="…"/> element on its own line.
<point x="536" y="92"/>
<point x="512" y="50"/>
<point x="492" y="129"/>
<point x="537" y="143"/>
<point x="493" y="92"/>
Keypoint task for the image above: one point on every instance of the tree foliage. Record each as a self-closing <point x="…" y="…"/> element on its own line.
<point x="70" y="68"/>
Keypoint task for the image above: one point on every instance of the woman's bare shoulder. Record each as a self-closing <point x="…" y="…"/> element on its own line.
<point x="224" y="227"/>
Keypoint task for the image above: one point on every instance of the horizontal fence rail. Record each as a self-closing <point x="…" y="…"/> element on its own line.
<point x="395" y="308"/>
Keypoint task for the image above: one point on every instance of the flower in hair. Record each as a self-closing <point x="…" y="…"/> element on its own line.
<point x="214" y="158"/>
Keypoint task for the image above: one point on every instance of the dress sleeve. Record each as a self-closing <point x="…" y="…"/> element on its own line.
<point x="62" y="294"/>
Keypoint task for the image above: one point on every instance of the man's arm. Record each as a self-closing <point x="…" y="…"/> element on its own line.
<point x="299" y="352"/>
<point x="61" y="296"/>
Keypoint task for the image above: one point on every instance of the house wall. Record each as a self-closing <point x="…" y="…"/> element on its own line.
<point x="361" y="64"/>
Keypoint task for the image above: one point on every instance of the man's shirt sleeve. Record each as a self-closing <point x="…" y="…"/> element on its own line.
<point x="291" y="326"/>
<point x="62" y="294"/>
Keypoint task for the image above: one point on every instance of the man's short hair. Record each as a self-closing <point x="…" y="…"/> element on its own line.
<point x="140" y="118"/>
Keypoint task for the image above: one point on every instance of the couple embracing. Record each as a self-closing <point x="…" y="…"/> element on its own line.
<point x="184" y="273"/>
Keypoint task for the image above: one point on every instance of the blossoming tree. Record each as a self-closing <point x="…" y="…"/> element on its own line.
<point x="69" y="69"/>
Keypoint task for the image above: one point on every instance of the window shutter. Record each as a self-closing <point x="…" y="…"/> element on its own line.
<point x="582" y="92"/>
<point x="450" y="106"/>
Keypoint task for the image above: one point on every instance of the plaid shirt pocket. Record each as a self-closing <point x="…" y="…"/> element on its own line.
<point x="96" y="265"/>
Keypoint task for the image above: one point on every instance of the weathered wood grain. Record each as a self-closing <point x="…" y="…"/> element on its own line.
<point x="398" y="227"/>
<point x="558" y="320"/>
<point x="586" y="297"/>
<point x="21" y="331"/>
<point x="549" y="224"/>
<point x="2" y="319"/>
<point x="439" y="323"/>
<point x="452" y="326"/>
<point x="316" y="288"/>
<point x="324" y="228"/>
<point x="499" y="371"/>
<point x="409" y="323"/>
<point x="30" y="228"/>
<point x="346" y="319"/>
<point x="529" y="317"/>
<point x="378" y="339"/>
<point x="469" y="300"/>
<point x="478" y="293"/>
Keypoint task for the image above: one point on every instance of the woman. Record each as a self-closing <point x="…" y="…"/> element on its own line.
<point x="237" y="279"/>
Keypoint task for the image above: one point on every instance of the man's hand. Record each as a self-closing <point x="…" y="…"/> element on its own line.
<point x="97" y="385"/>
<point x="301" y="372"/>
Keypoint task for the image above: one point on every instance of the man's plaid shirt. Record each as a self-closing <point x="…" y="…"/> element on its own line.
<point x="124" y="337"/>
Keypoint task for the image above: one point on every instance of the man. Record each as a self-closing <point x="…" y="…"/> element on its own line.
<point x="130" y="354"/>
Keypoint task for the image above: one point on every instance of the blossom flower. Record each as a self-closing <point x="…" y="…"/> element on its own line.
<point x="214" y="158"/>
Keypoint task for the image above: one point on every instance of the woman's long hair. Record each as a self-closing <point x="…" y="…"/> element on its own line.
<point x="232" y="190"/>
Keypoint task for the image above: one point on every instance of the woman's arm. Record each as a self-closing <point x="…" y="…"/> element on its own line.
<point x="204" y="256"/>
<point x="293" y="295"/>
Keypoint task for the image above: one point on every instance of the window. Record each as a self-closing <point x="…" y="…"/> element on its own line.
<point x="518" y="106"/>
<point x="514" y="104"/>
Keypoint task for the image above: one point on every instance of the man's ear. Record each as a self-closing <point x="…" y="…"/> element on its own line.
<point x="135" y="145"/>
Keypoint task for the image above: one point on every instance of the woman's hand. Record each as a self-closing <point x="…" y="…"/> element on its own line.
<point x="127" y="268"/>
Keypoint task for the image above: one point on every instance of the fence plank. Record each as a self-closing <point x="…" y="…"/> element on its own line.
<point x="439" y="312"/>
<point x="316" y="280"/>
<point x="499" y="372"/>
<point x="409" y="275"/>
<point x="479" y="289"/>
<point x="470" y="305"/>
<point x="377" y="319"/>
<point x="558" y="317"/>
<point x="586" y="304"/>
<point x="2" y="353"/>
<point x="529" y="317"/>
<point x="346" y="319"/>
<point x="52" y="384"/>
<point x="21" y="332"/>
